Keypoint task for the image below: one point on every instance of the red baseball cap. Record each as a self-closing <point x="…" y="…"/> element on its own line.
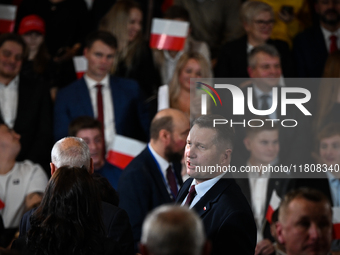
<point x="31" y="23"/>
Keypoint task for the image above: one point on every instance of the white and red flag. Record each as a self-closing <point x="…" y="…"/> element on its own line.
<point x="7" y="18"/>
<point x="274" y="203"/>
<point x="2" y="204"/>
<point x="80" y="65"/>
<point x="336" y="222"/>
<point x="123" y="150"/>
<point x="168" y="34"/>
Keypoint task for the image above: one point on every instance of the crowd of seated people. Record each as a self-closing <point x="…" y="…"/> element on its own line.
<point x="131" y="89"/>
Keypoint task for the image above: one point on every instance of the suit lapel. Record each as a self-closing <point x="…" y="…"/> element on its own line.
<point x="156" y="175"/>
<point x="244" y="185"/>
<point x="212" y="196"/>
<point x="24" y="95"/>
<point x="84" y="97"/>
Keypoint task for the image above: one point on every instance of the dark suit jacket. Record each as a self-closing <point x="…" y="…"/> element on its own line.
<point x="34" y="121"/>
<point x="141" y="188"/>
<point x="280" y="185"/>
<point x="310" y="52"/>
<point x="116" y="224"/>
<point x="130" y="115"/>
<point x="227" y="218"/>
<point x="233" y="59"/>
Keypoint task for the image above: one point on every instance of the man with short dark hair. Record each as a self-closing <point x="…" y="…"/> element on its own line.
<point x="305" y="223"/>
<point x="173" y="230"/>
<point x="213" y="194"/>
<point x="115" y="102"/>
<point x="74" y="152"/>
<point x="154" y="177"/>
<point x="90" y="130"/>
<point x="25" y="103"/>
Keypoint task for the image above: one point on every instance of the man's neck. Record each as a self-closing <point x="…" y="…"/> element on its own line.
<point x="99" y="165"/>
<point x="158" y="148"/>
<point x="6" y="80"/>
<point x="96" y="78"/>
<point x="330" y="28"/>
<point x="6" y="165"/>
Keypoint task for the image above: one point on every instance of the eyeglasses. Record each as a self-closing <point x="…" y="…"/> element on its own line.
<point x="264" y="22"/>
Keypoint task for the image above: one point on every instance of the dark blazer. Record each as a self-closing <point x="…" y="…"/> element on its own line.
<point x="280" y="185"/>
<point x="141" y="188"/>
<point x="227" y="217"/>
<point x="130" y="115"/>
<point x="233" y="59"/>
<point x="34" y="121"/>
<point x="116" y="224"/>
<point x="295" y="142"/>
<point x="310" y="52"/>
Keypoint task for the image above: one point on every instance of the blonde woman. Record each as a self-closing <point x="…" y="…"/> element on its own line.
<point x="134" y="58"/>
<point x="178" y="93"/>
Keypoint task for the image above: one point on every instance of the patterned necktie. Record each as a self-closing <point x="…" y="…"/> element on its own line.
<point x="264" y="101"/>
<point x="334" y="43"/>
<point x="170" y="176"/>
<point x="191" y="195"/>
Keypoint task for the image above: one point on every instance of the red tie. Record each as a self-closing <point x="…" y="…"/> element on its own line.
<point x="191" y="195"/>
<point x="334" y="43"/>
<point x="172" y="181"/>
<point x="100" y="112"/>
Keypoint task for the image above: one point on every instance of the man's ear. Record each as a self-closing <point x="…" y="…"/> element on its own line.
<point x="91" y="166"/>
<point x="279" y="233"/>
<point x="85" y="52"/>
<point x="165" y="136"/>
<point x="247" y="142"/>
<point x="250" y="71"/>
<point x="226" y="157"/>
<point x="53" y="168"/>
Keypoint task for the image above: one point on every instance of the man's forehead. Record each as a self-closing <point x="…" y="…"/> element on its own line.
<point x="301" y="207"/>
<point x="9" y="45"/>
<point x="331" y="139"/>
<point x="202" y="133"/>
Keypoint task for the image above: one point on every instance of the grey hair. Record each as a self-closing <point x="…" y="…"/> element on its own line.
<point x="251" y="9"/>
<point x="265" y="48"/>
<point x="173" y="230"/>
<point x="72" y="152"/>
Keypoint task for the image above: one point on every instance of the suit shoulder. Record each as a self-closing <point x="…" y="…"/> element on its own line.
<point x="230" y="47"/>
<point x="123" y="82"/>
<point x="307" y="34"/>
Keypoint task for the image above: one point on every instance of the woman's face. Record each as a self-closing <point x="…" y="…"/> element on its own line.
<point x="260" y="28"/>
<point x="191" y="69"/>
<point x="134" y="24"/>
<point x="33" y="40"/>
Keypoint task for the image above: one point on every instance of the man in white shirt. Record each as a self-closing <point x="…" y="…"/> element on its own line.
<point x="25" y="103"/>
<point x="154" y="176"/>
<point x="213" y="194"/>
<point x="116" y="102"/>
<point x="21" y="183"/>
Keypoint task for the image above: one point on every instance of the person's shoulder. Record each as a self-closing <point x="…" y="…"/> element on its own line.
<point x="307" y="34"/>
<point x="231" y="45"/>
<point x="112" y="211"/>
<point x="116" y="81"/>
<point x="27" y="167"/>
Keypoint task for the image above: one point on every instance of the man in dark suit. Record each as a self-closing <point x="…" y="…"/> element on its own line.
<point x="114" y="101"/>
<point x="312" y="46"/>
<point x="258" y="20"/>
<point x="154" y="177"/>
<point x="73" y="151"/>
<point x="215" y="196"/>
<point x="25" y="104"/>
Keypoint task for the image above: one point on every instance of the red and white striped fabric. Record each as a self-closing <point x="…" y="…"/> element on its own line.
<point x="7" y="18"/>
<point x="336" y="222"/>
<point x="80" y="65"/>
<point x="123" y="150"/>
<point x="168" y="34"/>
<point x="274" y="203"/>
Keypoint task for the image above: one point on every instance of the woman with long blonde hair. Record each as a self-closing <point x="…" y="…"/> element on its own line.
<point x="190" y="65"/>
<point x="328" y="102"/>
<point x="134" y="58"/>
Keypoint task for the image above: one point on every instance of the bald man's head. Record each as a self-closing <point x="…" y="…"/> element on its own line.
<point x="72" y="152"/>
<point x="166" y="119"/>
